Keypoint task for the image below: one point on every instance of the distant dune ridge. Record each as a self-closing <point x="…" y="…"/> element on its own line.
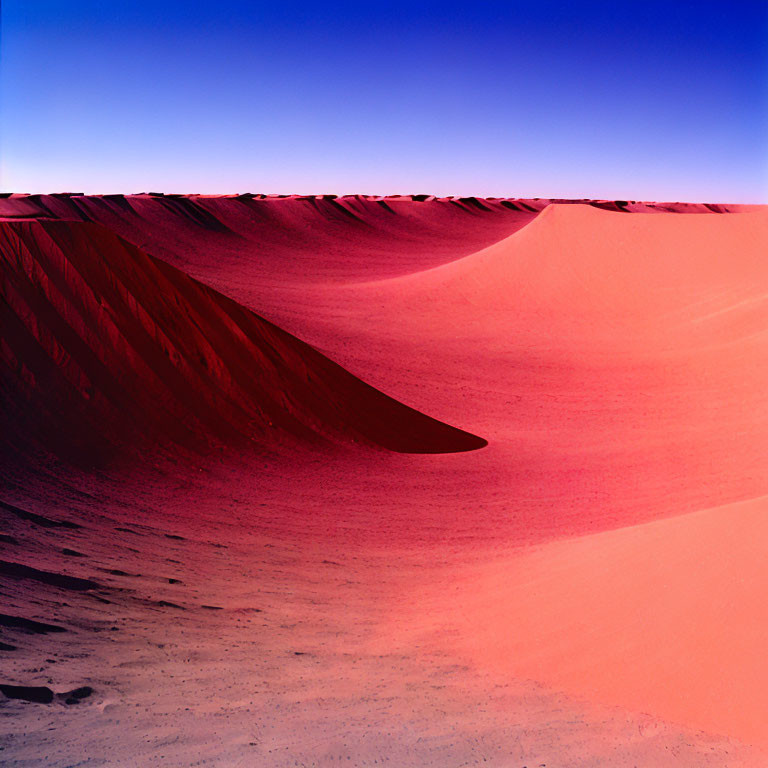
<point x="218" y="524"/>
<point x="388" y="236"/>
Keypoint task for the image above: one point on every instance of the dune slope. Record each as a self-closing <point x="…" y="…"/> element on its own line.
<point x="104" y="345"/>
<point x="666" y="617"/>
<point x="292" y="238"/>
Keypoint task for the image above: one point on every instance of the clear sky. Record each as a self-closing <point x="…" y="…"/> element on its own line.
<point x="632" y="100"/>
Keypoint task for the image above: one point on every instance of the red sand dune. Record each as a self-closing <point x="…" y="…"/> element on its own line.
<point x="584" y="590"/>
<point x="318" y="238"/>
<point x="598" y="353"/>
<point x="102" y="342"/>
<point x="291" y="237"/>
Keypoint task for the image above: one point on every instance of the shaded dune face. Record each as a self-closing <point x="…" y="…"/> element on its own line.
<point x="291" y="239"/>
<point x="105" y="347"/>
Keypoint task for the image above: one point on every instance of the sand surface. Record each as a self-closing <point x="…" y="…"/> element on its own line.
<point x="307" y="481"/>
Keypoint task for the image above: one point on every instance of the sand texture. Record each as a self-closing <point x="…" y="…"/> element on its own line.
<point x="406" y="481"/>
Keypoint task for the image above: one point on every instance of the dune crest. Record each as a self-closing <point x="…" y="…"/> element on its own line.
<point x="359" y="237"/>
<point x="579" y="274"/>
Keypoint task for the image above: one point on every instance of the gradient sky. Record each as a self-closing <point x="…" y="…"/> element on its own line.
<point x="632" y="100"/>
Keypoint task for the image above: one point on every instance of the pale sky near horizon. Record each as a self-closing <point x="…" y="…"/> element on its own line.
<point x="631" y="100"/>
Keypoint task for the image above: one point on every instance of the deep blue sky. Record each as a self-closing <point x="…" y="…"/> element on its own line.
<point x="651" y="100"/>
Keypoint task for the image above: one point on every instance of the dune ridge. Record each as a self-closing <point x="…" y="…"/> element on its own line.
<point x="583" y="272"/>
<point x="360" y="237"/>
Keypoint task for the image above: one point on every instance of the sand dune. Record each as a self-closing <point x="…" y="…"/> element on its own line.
<point x="580" y="276"/>
<point x="358" y="237"/>
<point x="235" y="238"/>
<point x="248" y="577"/>
<point x="614" y="362"/>
<point x="105" y="346"/>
